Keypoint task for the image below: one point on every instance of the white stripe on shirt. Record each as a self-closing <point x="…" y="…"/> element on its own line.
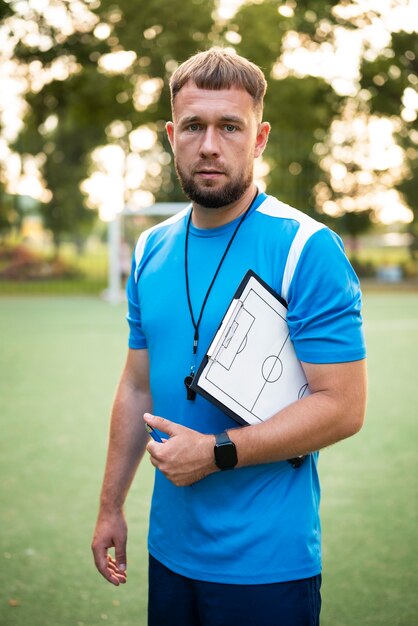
<point x="140" y="246"/>
<point x="307" y="227"/>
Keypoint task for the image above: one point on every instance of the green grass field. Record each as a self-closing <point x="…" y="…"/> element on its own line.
<point x="60" y="359"/>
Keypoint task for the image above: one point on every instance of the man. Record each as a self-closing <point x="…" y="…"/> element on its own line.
<point x="239" y="546"/>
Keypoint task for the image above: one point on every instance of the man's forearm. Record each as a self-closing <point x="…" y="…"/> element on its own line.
<point x="127" y="441"/>
<point x="306" y="426"/>
<point x="312" y="423"/>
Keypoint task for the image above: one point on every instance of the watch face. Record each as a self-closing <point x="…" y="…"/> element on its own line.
<point x="226" y="455"/>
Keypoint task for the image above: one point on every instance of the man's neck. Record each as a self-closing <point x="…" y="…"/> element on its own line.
<point x="203" y="217"/>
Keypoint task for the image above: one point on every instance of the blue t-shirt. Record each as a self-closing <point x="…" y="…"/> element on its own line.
<point x="257" y="524"/>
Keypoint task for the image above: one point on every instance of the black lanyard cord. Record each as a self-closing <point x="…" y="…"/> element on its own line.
<point x="197" y="324"/>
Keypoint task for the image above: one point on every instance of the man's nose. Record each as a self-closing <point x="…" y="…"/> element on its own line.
<point x="210" y="143"/>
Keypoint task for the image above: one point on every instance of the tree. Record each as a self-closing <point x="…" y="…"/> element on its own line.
<point x="96" y="105"/>
<point x="71" y="114"/>
<point x="10" y="213"/>
<point x="310" y="165"/>
<point x="300" y="108"/>
<point x="391" y="80"/>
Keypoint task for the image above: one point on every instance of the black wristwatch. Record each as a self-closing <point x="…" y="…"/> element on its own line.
<point x="225" y="452"/>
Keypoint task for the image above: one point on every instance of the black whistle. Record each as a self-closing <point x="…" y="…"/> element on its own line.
<point x="191" y="394"/>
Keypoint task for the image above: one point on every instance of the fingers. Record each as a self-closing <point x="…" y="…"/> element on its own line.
<point x="120" y="555"/>
<point x="161" y="424"/>
<point x="117" y="572"/>
<point x="109" y="568"/>
<point x="186" y="457"/>
<point x="111" y="532"/>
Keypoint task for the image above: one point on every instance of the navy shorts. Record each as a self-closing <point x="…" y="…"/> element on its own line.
<point x="175" y="600"/>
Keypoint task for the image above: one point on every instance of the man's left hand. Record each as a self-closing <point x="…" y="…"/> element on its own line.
<point x="186" y="456"/>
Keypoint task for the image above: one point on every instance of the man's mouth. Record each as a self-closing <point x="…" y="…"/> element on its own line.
<point x="209" y="173"/>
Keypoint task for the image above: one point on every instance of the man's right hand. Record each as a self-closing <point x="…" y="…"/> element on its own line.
<point x="111" y="532"/>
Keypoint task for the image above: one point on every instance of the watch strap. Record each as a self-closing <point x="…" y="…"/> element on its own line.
<point x="222" y="438"/>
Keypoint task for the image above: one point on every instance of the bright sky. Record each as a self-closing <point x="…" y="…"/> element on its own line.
<point x="339" y="65"/>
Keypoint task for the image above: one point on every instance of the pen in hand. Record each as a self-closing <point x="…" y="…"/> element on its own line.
<point x="155" y="436"/>
<point x="153" y="433"/>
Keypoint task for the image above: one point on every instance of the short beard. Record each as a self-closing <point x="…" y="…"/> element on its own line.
<point x="214" y="199"/>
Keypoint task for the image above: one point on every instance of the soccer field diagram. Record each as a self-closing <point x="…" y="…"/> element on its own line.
<point x="253" y="369"/>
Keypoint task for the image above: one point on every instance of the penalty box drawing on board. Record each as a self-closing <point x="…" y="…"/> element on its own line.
<point x="250" y="369"/>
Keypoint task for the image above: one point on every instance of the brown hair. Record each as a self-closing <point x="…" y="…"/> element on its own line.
<point x="218" y="68"/>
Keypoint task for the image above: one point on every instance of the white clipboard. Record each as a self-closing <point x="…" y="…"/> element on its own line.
<point x="250" y="369"/>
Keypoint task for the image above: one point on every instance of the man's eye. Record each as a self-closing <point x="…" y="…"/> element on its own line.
<point x="230" y="128"/>
<point x="193" y="127"/>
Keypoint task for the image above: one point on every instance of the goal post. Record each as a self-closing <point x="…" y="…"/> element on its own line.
<point x="116" y="246"/>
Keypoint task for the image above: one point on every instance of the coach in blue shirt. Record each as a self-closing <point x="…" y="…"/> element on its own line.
<point x="234" y="532"/>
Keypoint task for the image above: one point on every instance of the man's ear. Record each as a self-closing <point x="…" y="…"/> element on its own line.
<point x="261" y="139"/>
<point x="169" y="127"/>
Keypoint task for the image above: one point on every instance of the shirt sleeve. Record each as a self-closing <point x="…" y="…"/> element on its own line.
<point x="137" y="338"/>
<point x="324" y="303"/>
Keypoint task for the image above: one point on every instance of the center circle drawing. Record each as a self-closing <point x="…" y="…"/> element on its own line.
<point x="272" y="369"/>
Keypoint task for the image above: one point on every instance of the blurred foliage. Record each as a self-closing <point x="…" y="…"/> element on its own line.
<point x="387" y="78"/>
<point x="299" y="109"/>
<point x="5" y="10"/>
<point x="296" y="107"/>
<point x="409" y="188"/>
<point x="389" y="74"/>
<point x="10" y="212"/>
<point x="68" y="118"/>
<point x="22" y="264"/>
<point x="352" y="224"/>
<point x="86" y="103"/>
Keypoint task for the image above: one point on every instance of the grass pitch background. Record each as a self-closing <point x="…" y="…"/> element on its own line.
<point x="60" y="360"/>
